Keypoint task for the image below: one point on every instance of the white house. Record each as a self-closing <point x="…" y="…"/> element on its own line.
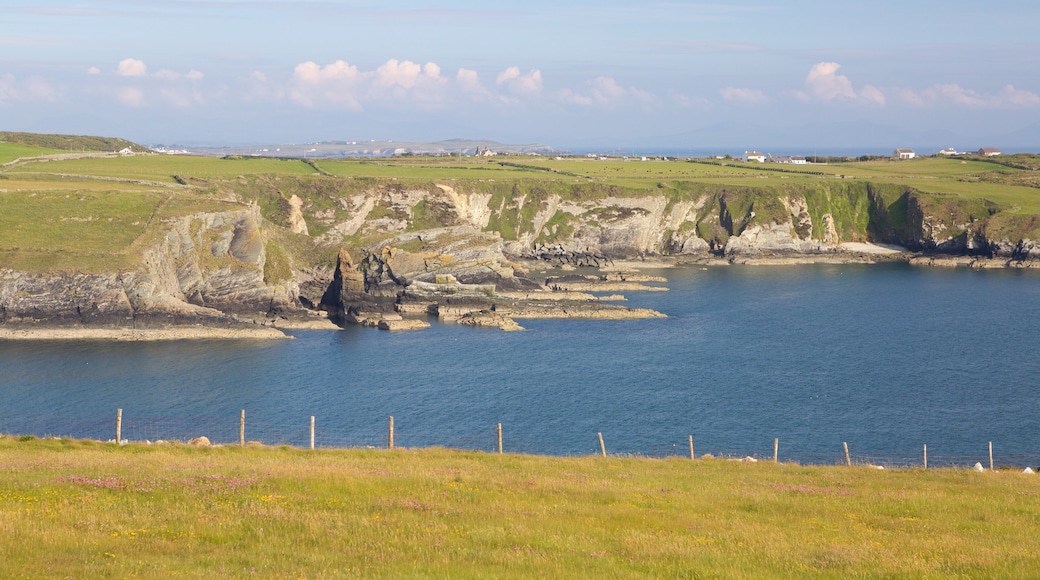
<point x="798" y="160"/>
<point x="754" y="156"/>
<point x="988" y="151"/>
<point x="903" y="154"/>
<point x="126" y="151"/>
<point x="948" y="151"/>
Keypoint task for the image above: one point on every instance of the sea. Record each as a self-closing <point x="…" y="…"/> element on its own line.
<point x="886" y="359"/>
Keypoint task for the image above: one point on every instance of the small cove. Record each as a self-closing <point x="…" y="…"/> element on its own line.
<point x="885" y="357"/>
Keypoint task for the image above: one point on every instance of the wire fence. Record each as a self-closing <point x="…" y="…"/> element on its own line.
<point x="303" y="434"/>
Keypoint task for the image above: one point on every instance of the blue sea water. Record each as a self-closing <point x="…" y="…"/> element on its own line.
<point x="884" y="357"/>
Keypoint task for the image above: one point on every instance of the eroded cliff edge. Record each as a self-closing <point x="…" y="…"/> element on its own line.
<point x="386" y="253"/>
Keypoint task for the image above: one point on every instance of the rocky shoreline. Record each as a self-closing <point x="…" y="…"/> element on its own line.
<point x="24" y="332"/>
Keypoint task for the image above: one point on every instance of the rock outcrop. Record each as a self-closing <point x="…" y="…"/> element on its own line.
<point x="463" y="250"/>
<point x="207" y="269"/>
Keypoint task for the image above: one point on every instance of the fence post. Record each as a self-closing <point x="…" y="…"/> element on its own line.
<point x="242" y="429"/>
<point x="692" y="456"/>
<point x="312" y="431"/>
<point x="776" y="449"/>
<point x="848" y="460"/>
<point x="602" y="447"/>
<point x="991" y="456"/>
<point x="390" y="434"/>
<point x="926" y="456"/>
<point x="119" y="426"/>
<point x="499" y="438"/>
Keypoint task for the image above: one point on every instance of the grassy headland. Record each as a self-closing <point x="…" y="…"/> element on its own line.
<point x="87" y="509"/>
<point x="71" y="214"/>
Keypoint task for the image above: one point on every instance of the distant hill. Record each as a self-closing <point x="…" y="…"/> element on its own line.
<point x="70" y="142"/>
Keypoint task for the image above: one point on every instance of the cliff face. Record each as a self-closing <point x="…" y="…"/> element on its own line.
<point x="211" y="267"/>
<point x="535" y="219"/>
<point x="205" y="267"/>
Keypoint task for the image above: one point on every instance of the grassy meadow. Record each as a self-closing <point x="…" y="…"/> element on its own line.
<point x="88" y="509"/>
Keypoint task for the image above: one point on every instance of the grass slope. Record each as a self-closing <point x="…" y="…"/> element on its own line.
<point x="70" y="142"/>
<point x="86" y="509"/>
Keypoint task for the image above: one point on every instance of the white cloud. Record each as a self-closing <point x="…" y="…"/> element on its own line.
<point x="741" y="95"/>
<point x="520" y="84"/>
<point x="93" y="70"/>
<point x="605" y="92"/>
<point x="181" y="99"/>
<point x="1013" y="97"/>
<point x="131" y="67"/>
<point x="823" y="83"/>
<point x="687" y="102"/>
<point x="334" y="83"/>
<point x="953" y="94"/>
<point x="193" y="75"/>
<point x="468" y="81"/>
<point x="130" y="96"/>
<point x="34" y="89"/>
<point x="872" y="94"/>
<point x="344" y="85"/>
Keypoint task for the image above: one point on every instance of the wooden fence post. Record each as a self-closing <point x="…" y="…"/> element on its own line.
<point x="499" y="438"/>
<point x="848" y="460"/>
<point x="119" y="426"/>
<point x="242" y="429"/>
<point x="991" y="456"/>
<point x="776" y="449"/>
<point x="692" y="456"/>
<point x="926" y="456"/>
<point x="312" y="431"/>
<point x="390" y="434"/>
<point x="602" y="447"/>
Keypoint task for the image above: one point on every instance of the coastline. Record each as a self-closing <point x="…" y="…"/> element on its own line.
<point x="138" y="335"/>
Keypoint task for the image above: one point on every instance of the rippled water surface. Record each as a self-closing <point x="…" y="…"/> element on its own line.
<point x="886" y="358"/>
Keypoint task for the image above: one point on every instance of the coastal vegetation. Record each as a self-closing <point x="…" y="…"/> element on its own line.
<point x="265" y="237"/>
<point x="89" y="509"/>
<point x="97" y="206"/>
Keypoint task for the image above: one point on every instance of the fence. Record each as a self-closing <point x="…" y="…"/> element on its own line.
<point x="495" y="439"/>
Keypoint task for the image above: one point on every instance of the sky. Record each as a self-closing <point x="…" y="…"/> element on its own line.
<point x="579" y="75"/>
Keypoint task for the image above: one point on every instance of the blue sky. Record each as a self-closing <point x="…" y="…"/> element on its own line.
<point x="581" y="74"/>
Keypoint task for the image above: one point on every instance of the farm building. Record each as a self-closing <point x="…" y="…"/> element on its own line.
<point x="754" y="156"/>
<point x="903" y="154"/>
<point x="948" y="151"/>
<point x="988" y="151"/>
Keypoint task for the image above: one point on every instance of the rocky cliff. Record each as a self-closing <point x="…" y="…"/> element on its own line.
<point x="370" y="251"/>
<point x="594" y="222"/>
<point x="205" y="268"/>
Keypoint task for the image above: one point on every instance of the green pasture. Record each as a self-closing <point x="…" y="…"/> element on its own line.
<point x="425" y="169"/>
<point x="163" y="168"/>
<point x="87" y="230"/>
<point x="11" y="151"/>
<point x="85" y="509"/>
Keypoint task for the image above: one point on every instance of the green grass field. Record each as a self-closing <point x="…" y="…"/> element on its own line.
<point x="85" y="509"/>
<point x="162" y="168"/>
<point x="11" y="151"/>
